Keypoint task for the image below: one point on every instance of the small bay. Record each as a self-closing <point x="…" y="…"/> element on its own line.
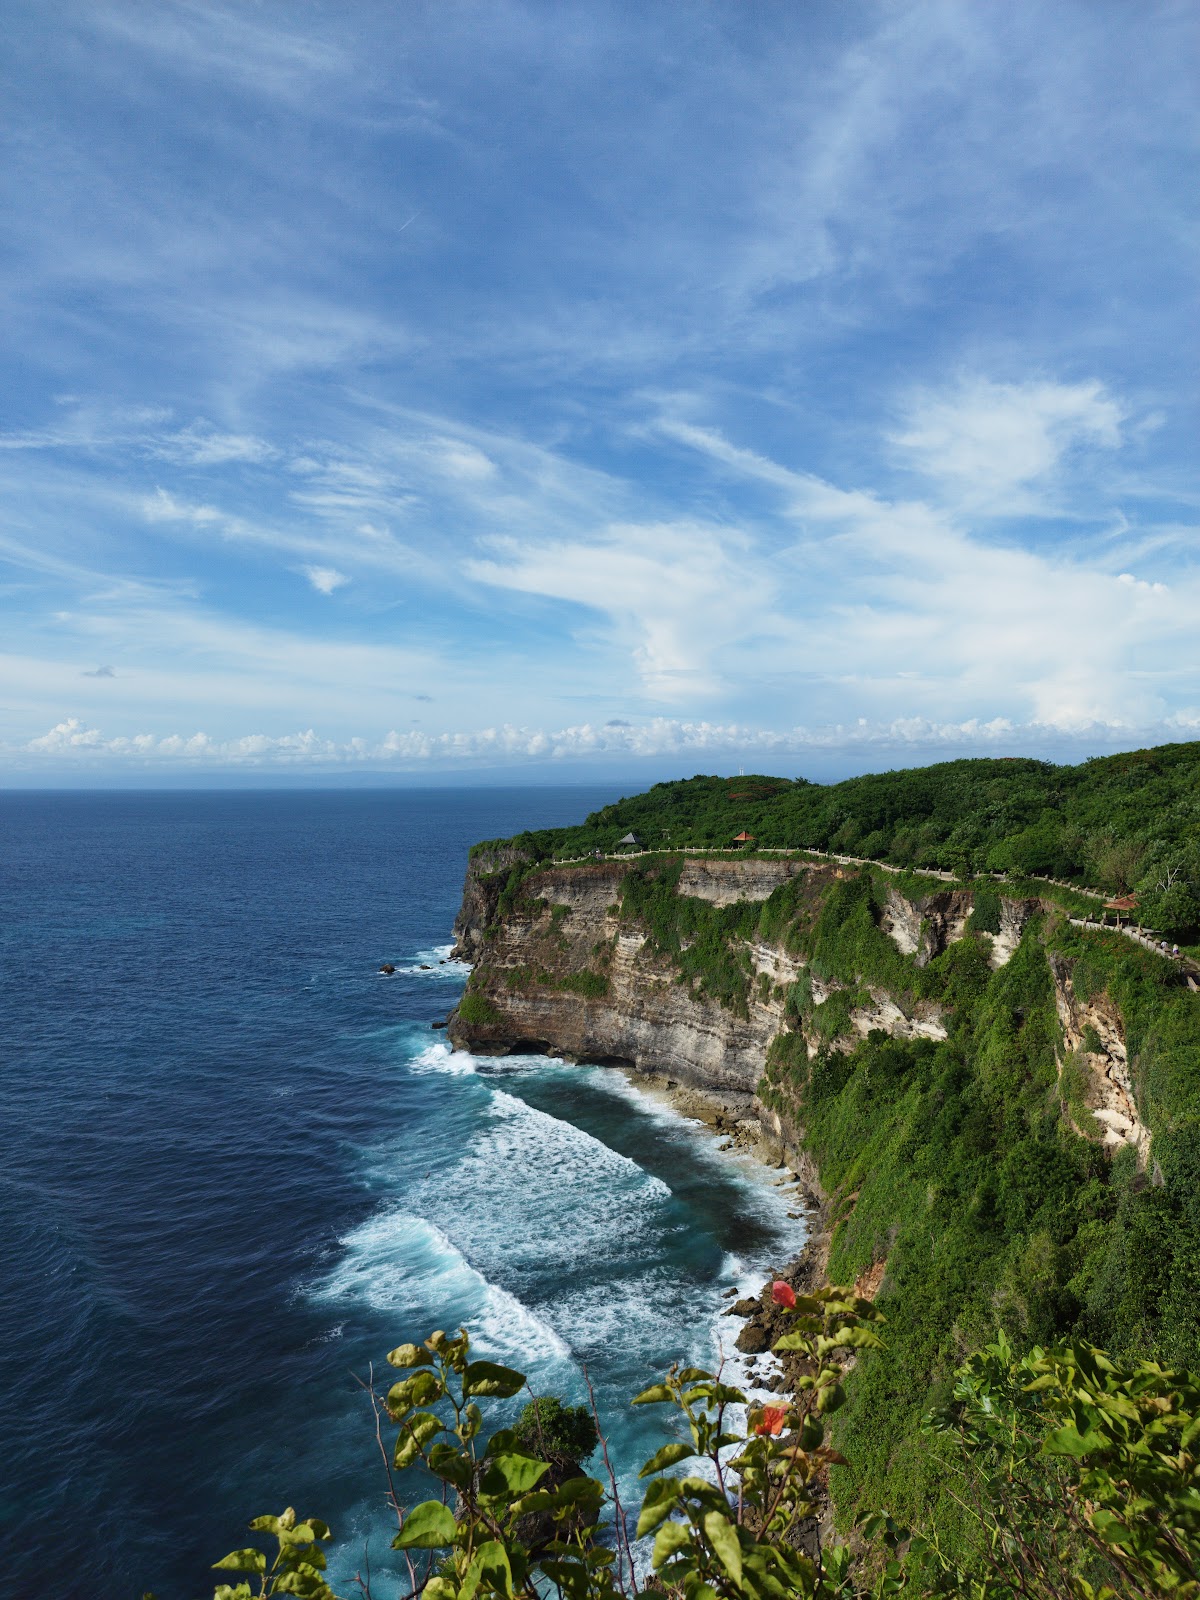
<point x="239" y="1165"/>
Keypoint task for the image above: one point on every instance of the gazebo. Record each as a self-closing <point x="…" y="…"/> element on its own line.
<point x="1127" y="903"/>
<point x="629" y="842"/>
<point x="743" y="837"/>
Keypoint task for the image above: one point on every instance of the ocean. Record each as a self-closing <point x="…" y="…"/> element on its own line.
<point x="239" y="1165"/>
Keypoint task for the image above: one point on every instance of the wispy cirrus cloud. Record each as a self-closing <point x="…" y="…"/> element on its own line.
<point x="994" y="448"/>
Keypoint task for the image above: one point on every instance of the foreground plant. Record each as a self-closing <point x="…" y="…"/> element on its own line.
<point x="1081" y="1476"/>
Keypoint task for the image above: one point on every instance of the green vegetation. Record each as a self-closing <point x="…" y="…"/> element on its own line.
<point x="592" y="985"/>
<point x="706" y="942"/>
<point x="547" y="1427"/>
<point x="1079" y="1474"/>
<point x="1119" y="823"/>
<point x="951" y="1162"/>
<point x="477" y="1009"/>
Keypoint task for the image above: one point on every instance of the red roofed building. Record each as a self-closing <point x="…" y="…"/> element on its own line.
<point x="1123" y="905"/>
<point x="743" y="838"/>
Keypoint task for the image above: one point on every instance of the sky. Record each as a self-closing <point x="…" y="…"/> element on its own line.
<point x="510" y="391"/>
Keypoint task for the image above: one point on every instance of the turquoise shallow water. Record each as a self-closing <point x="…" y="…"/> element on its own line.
<point x="240" y="1166"/>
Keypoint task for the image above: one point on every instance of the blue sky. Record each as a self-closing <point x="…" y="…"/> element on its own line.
<point x="508" y="390"/>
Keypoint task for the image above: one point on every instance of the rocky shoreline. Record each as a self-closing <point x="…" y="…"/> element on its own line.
<point x="738" y="1117"/>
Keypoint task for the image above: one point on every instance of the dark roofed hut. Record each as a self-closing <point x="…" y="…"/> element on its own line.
<point x="629" y="842"/>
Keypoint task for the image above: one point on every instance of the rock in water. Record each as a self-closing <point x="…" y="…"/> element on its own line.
<point x="753" y="1339"/>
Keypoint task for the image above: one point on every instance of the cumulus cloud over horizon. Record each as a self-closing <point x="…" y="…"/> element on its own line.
<point x="507" y="745"/>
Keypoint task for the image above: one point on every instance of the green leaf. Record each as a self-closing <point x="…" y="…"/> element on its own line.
<point x="832" y="1398"/>
<point x="487" y="1377"/>
<point x="512" y="1475"/>
<point x="667" y="1457"/>
<point x="577" y="1489"/>
<point x="669" y="1540"/>
<point x="490" y="1566"/>
<point x="410" y="1355"/>
<point x="653" y="1396"/>
<point x="242" y="1561"/>
<point x="429" y="1526"/>
<point x="448" y="1462"/>
<point x="418" y="1390"/>
<point x="417" y="1431"/>
<point x="440" y="1588"/>
<point x="722" y="1535"/>
<point x="1069" y="1441"/>
<point x="793" y="1341"/>
<point x="661" y="1498"/>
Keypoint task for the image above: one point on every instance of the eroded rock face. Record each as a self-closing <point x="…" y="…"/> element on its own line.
<point x="481" y="890"/>
<point x="1014" y="914"/>
<point x="1109" y="1087"/>
<point x="901" y="921"/>
<point x="924" y="928"/>
<point x="883" y="1012"/>
<point x="724" y="883"/>
<point x="647" y="1018"/>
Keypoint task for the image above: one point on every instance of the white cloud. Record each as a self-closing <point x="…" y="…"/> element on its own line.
<point x="910" y="609"/>
<point x="985" y="444"/>
<point x="163" y="507"/>
<point x="660" y="737"/>
<point x="202" y="445"/>
<point x="325" y="579"/>
<point x="676" y="594"/>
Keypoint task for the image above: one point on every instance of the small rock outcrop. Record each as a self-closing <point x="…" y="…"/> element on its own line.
<point x="1094" y="1041"/>
<point x="485" y="880"/>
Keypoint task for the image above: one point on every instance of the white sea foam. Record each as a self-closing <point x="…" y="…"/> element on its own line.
<point x="535" y="1194"/>
<point x="435" y="963"/>
<point x="399" y="1263"/>
<point x="439" y="1057"/>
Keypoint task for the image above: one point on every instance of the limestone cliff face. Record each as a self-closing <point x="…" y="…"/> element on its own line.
<point x="481" y="891"/>
<point x="1094" y="1035"/>
<point x="559" y="972"/>
<point x="724" y="883"/>
<point x="645" y="1017"/>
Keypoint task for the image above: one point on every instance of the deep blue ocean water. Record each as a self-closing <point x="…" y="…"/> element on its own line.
<point x="238" y="1166"/>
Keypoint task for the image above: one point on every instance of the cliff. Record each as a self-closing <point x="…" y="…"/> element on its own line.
<point x="997" y="1107"/>
<point x="565" y="972"/>
<point x="563" y="967"/>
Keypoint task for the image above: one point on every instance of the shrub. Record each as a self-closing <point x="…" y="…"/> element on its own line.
<point x="548" y="1426"/>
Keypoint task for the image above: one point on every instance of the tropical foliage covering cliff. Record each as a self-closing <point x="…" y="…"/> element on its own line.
<point x="1121" y="823"/>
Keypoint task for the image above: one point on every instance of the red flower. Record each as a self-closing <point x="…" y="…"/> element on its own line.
<point x="772" y="1421"/>
<point x="782" y="1293"/>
